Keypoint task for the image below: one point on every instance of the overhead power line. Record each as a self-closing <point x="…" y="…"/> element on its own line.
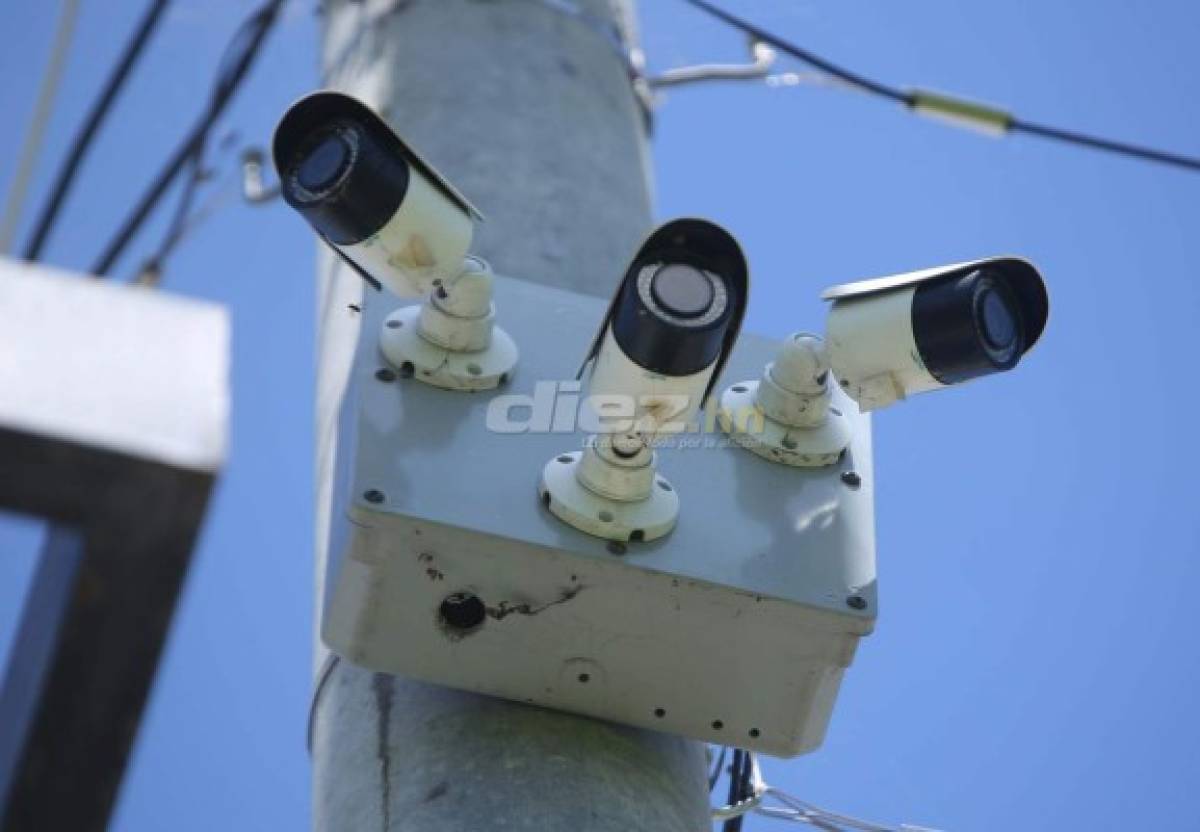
<point x="953" y="109"/>
<point x="238" y="59"/>
<point x="42" y="109"/>
<point x="1098" y="143"/>
<point x="91" y="126"/>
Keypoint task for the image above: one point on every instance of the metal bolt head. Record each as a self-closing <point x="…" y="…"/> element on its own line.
<point x="386" y="375"/>
<point x="856" y="602"/>
<point x="851" y="478"/>
<point x="374" y="496"/>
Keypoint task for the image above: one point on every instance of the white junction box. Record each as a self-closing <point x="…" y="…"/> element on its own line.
<point x="733" y="629"/>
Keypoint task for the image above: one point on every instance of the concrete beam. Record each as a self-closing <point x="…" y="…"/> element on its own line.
<point x="113" y="426"/>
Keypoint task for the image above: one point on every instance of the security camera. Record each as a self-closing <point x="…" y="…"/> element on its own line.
<point x="399" y="223"/>
<point x="370" y="195"/>
<point x="892" y="337"/>
<point x="887" y="339"/>
<point x="668" y="332"/>
<point x="670" y="328"/>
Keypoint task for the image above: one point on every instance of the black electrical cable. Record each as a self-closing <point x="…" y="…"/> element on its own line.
<point x="1136" y="151"/>
<point x="254" y="31"/>
<point x="739" y="781"/>
<point x="909" y="99"/>
<point x="91" y="126"/>
<point x="732" y="795"/>
<point x="715" y="774"/>
<point x="151" y="271"/>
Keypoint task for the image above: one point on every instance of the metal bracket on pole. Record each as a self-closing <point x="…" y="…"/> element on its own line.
<point x="762" y="55"/>
<point x="255" y="191"/>
<point x="113" y="427"/>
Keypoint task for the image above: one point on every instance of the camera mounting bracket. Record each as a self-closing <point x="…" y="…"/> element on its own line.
<point x="451" y="340"/>
<point x="788" y="416"/>
<point x="603" y="495"/>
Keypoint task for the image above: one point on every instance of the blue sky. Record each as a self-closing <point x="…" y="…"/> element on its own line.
<point x="1034" y="664"/>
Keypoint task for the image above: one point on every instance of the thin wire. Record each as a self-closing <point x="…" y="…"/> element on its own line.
<point x="35" y="134"/>
<point x="91" y="126"/>
<point x="911" y="100"/>
<point x="151" y="271"/>
<point x="739" y="779"/>
<point x="188" y="221"/>
<point x="1149" y="154"/>
<point x="182" y="222"/>
<point x="327" y="668"/>
<point x="258" y="25"/>
<point x="715" y="774"/>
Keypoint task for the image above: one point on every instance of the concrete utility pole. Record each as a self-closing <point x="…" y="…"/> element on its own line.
<point x="529" y="109"/>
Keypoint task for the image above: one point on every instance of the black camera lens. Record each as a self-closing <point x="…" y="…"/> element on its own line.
<point x="999" y="319"/>
<point x="680" y="305"/>
<point x="324" y="164"/>
<point x="968" y="326"/>
<point x="342" y="177"/>
<point x="682" y="290"/>
<point x="672" y="317"/>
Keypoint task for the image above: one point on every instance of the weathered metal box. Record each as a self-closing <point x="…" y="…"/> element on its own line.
<point x="734" y="629"/>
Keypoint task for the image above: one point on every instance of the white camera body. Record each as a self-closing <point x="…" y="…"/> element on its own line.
<point x="426" y="240"/>
<point x="627" y="397"/>
<point x="870" y="342"/>
<point x="893" y="337"/>
<point x="370" y="195"/>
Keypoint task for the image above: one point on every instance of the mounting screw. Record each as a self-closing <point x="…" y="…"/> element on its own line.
<point x="856" y="602"/>
<point x="374" y="496"/>
<point x="851" y="478"/>
<point x="386" y="375"/>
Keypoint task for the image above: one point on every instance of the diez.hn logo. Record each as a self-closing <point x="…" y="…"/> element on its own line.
<point x="558" y="407"/>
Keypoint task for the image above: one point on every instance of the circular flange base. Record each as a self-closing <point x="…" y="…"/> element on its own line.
<point x="574" y="504"/>
<point x="405" y="349"/>
<point x="749" y="427"/>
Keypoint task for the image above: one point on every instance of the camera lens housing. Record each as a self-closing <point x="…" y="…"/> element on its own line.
<point x="369" y="195"/>
<point x="672" y="323"/>
<point x="344" y="182"/>
<point x="672" y="318"/>
<point x="966" y="327"/>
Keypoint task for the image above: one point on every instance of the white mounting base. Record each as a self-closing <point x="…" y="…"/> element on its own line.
<point x="570" y="501"/>
<point x="404" y="348"/>
<point x="799" y="447"/>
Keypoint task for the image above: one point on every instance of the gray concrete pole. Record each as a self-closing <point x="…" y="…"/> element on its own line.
<point x="531" y="112"/>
